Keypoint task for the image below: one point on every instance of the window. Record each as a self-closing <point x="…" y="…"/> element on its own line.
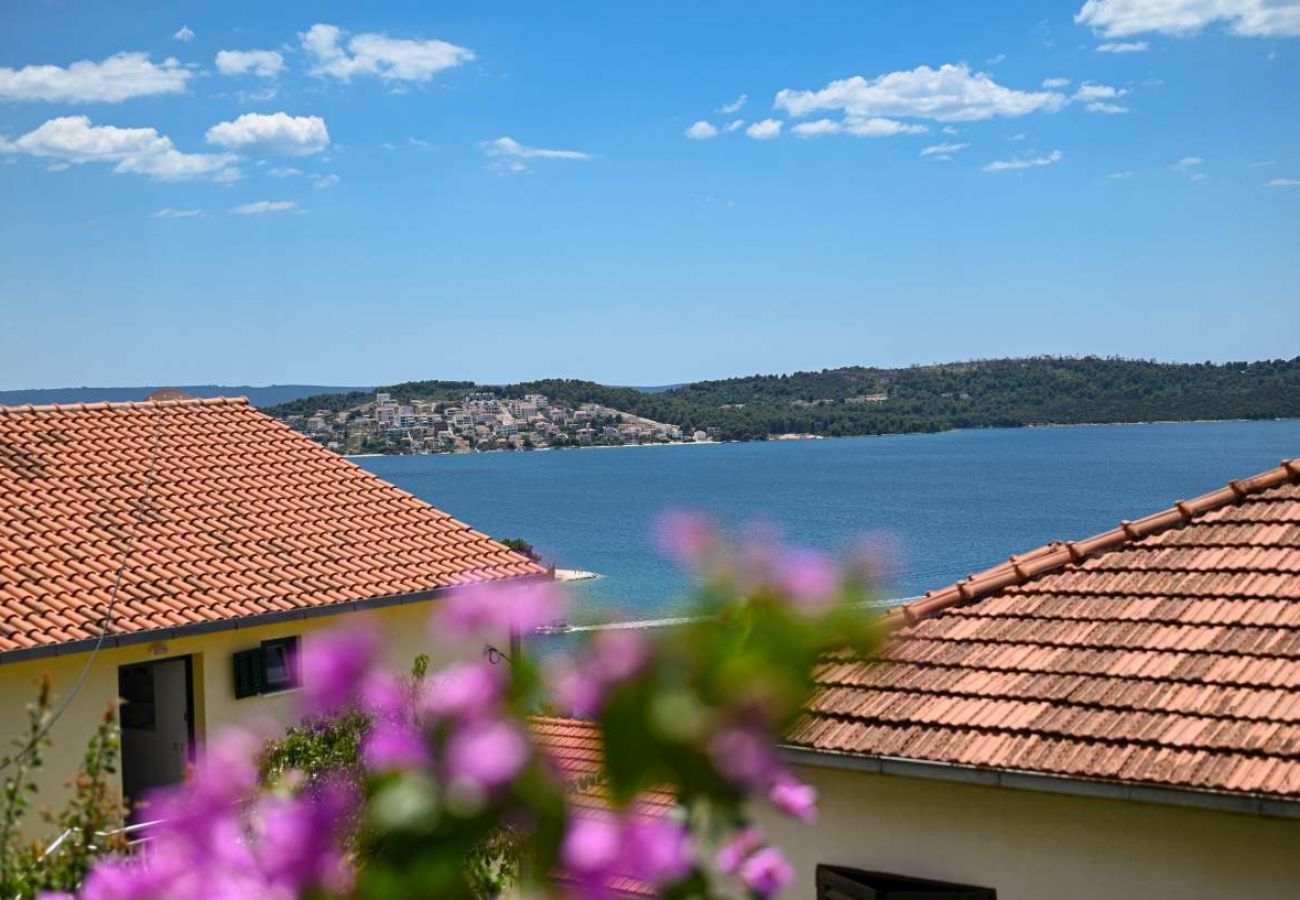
<point x="839" y="883"/>
<point x="266" y="669"/>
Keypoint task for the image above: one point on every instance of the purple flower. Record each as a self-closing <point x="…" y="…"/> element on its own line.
<point x="496" y="610"/>
<point x="793" y="797"/>
<point x="592" y="846"/>
<point x="744" y="755"/>
<point x="687" y="538"/>
<point x="657" y="848"/>
<point x="486" y="754"/>
<point x="335" y="665"/>
<point x="766" y="872"/>
<point x="738" y="849"/>
<point x="394" y="746"/>
<point x="465" y="690"/>
<point x="298" y="844"/>
<point x="617" y="655"/>
<point x="809" y="579"/>
<point x="577" y="690"/>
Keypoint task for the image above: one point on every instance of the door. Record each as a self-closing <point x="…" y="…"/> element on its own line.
<point x="157" y="716"/>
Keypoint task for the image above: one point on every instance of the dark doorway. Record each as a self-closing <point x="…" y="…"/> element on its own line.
<point x="157" y="726"/>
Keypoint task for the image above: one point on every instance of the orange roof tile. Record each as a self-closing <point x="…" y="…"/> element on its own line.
<point x="243" y="517"/>
<point x="1163" y="653"/>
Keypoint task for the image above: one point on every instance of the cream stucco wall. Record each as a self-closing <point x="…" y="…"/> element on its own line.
<point x="405" y="634"/>
<point x="1031" y="845"/>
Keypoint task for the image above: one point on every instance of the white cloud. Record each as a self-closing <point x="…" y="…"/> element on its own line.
<point x="950" y="93"/>
<point x="1284" y="182"/>
<point x="1034" y="162"/>
<point x="873" y="127"/>
<point x="1191" y="167"/>
<point x="392" y="59"/>
<point x="1180" y="18"/>
<point x="734" y="125"/>
<point x="184" y="35"/>
<point x="277" y="133"/>
<point x="1123" y="47"/>
<point x="1100" y="98"/>
<point x="948" y="129"/>
<point x="262" y="207"/>
<point x="119" y="77"/>
<point x="734" y="106"/>
<point x="1056" y="83"/>
<point x="321" y="182"/>
<point x="817" y="127"/>
<point x="764" y="130"/>
<point x="168" y="213"/>
<point x="284" y="172"/>
<point x="262" y="63"/>
<point x="943" y="151"/>
<point x="509" y="154"/>
<point x="994" y="60"/>
<point x="140" y="151"/>
<point x="702" y="131"/>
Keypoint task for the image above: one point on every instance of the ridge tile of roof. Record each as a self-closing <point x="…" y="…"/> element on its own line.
<point x="1162" y="653"/>
<point x="226" y="513"/>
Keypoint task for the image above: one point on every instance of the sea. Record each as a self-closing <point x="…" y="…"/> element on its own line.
<point x="946" y="504"/>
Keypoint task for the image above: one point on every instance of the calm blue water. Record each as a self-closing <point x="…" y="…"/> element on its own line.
<point x="955" y="502"/>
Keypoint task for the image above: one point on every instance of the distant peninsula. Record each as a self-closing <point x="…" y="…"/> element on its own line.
<point x="464" y="416"/>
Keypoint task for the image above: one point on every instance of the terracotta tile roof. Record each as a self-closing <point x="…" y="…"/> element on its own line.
<point x="1163" y="653"/>
<point x="244" y="516"/>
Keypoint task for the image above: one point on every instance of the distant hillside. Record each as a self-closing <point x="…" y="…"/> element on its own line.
<point x="269" y="395"/>
<point x="975" y="394"/>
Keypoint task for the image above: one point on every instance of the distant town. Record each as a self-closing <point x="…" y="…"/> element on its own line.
<point x="481" y="421"/>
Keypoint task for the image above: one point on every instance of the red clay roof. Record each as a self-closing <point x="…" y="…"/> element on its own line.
<point x="244" y="516"/>
<point x="1163" y="653"/>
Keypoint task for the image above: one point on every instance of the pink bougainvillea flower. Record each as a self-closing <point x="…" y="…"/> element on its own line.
<point x="744" y="755"/>
<point x="793" y="797"/>
<point x="738" y="849"/>
<point x="298" y="841"/>
<point x="577" y="689"/>
<point x="687" y="538"/>
<point x="808" y="579"/>
<point x="465" y="690"/>
<point x="657" y="849"/>
<point x="335" y="666"/>
<point x="618" y="655"/>
<point x="493" y="610"/>
<point x="392" y="746"/>
<point x="592" y="847"/>
<point x="486" y="753"/>
<point x="766" y="872"/>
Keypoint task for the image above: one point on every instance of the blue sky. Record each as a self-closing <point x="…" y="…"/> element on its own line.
<point x="365" y="194"/>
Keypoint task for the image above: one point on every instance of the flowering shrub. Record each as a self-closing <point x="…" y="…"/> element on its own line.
<point x="444" y="792"/>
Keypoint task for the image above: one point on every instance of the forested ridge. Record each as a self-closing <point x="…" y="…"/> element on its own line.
<point x="860" y="400"/>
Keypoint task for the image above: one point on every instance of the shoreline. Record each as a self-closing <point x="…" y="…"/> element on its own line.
<point x="778" y="439"/>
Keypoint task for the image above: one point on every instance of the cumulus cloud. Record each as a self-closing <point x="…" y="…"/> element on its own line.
<point x="1190" y="166"/>
<point x="872" y="127"/>
<point x="185" y="34"/>
<point x="734" y="106"/>
<point x="1031" y="162"/>
<point x="262" y="207"/>
<point x="1100" y="98"/>
<point x="74" y="140"/>
<point x="168" y="213"/>
<point x="943" y="151"/>
<point x="1056" y="83"/>
<point x="702" y="131"/>
<point x="117" y="78"/>
<point x="1284" y="182"/>
<point x="321" y="182"/>
<point x="1181" y="18"/>
<point x="1123" y="47"/>
<point x="950" y="93"/>
<point x="510" y="156"/>
<point x="817" y="128"/>
<point x="764" y="130"/>
<point x="262" y="63"/>
<point x="391" y="59"/>
<point x="276" y="133"/>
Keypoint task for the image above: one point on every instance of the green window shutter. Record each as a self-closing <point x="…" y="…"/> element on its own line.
<point x="250" y="673"/>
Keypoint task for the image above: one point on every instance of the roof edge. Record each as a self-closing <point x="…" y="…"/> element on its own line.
<point x="1015" y="779"/>
<point x="1025" y="567"/>
<point x="121" y="405"/>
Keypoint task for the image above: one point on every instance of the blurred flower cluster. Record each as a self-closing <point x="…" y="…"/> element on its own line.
<point x="690" y="719"/>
